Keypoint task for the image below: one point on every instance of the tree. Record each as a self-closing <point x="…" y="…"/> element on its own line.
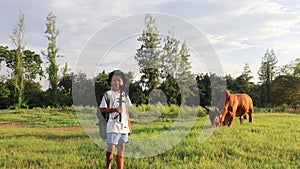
<point x="31" y="69"/>
<point x="169" y="67"/>
<point x="65" y="87"/>
<point x="287" y="69"/>
<point x="52" y="54"/>
<point x="292" y="68"/>
<point x="242" y="82"/>
<point x="184" y="76"/>
<point x="18" y="75"/>
<point x="33" y="94"/>
<point x="148" y="55"/>
<point x="171" y="90"/>
<point x="136" y="94"/>
<point x="65" y="83"/>
<point x="170" y="57"/>
<point x="4" y="94"/>
<point x="82" y="90"/>
<point x="267" y="73"/>
<point x="296" y="71"/>
<point x="23" y="65"/>
<point x="101" y="85"/>
<point x="230" y="82"/>
<point x="32" y="64"/>
<point x="204" y="87"/>
<point x="176" y="70"/>
<point x="285" y="90"/>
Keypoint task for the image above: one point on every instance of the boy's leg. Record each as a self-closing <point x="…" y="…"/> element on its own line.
<point x="109" y="155"/>
<point x="120" y="155"/>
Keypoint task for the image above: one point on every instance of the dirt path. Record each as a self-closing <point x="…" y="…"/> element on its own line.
<point x="10" y="123"/>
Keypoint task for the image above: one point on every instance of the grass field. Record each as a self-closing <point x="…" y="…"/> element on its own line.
<point x="50" y="139"/>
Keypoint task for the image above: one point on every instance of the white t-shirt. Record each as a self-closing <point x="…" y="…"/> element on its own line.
<point x="113" y="124"/>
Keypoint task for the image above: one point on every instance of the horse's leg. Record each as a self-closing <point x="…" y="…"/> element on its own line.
<point x="232" y="119"/>
<point x="241" y="119"/>
<point x="250" y="115"/>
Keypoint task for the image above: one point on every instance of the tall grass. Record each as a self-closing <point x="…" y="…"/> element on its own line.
<point x="44" y="141"/>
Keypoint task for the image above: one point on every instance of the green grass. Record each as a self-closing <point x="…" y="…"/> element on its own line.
<point x="272" y="141"/>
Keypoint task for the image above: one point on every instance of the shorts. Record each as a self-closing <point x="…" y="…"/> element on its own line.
<point x="116" y="138"/>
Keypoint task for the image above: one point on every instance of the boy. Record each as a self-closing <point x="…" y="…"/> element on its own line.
<point x="118" y="124"/>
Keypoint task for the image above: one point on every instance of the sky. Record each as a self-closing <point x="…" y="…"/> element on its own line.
<point x="102" y="34"/>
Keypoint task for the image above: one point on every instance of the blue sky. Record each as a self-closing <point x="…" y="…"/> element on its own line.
<point x="239" y="31"/>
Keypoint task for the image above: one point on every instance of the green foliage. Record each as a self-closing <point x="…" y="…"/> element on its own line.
<point x="285" y="90"/>
<point x="32" y="64"/>
<point x="136" y="94"/>
<point x="33" y="94"/>
<point x="292" y="68"/>
<point x="296" y="71"/>
<point x="204" y="86"/>
<point x="201" y="111"/>
<point x="4" y="95"/>
<point x="242" y="83"/>
<point x="83" y="89"/>
<point x="101" y="85"/>
<point x="171" y="90"/>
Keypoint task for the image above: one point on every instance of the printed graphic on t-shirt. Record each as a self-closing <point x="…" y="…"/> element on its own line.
<point x="114" y="125"/>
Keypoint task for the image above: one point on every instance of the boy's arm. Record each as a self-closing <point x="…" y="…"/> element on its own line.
<point x="105" y="105"/>
<point x="111" y="110"/>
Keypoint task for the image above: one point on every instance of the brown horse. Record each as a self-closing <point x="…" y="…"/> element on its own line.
<point x="214" y="115"/>
<point x="236" y="105"/>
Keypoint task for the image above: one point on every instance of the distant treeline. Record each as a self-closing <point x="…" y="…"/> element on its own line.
<point x="164" y="69"/>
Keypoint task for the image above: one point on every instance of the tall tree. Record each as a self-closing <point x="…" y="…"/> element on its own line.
<point x="169" y="67"/>
<point x="170" y="57"/>
<point x="18" y="75"/>
<point x="184" y="75"/>
<point x="267" y="73"/>
<point x="176" y="67"/>
<point x="24" y="65"/>
<point x="242" y="82"/>
<point x="52" y="54"/>
<point x="148" y="55"/>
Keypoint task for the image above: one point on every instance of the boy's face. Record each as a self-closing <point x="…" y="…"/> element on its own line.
<point x="116" y="82"/>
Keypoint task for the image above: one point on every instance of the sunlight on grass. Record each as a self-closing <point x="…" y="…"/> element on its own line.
<point x="49" y="139"/>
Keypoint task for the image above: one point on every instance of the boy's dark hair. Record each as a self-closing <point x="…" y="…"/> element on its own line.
<point x="116" y="73"/>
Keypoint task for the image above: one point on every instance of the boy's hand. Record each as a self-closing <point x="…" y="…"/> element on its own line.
<point x="119" y="109"/>
<point x="130" y="133"/>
